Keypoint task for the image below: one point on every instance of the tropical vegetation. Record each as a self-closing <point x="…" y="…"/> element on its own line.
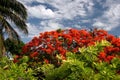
<point x="50" y="46"/>
<point x="13" y="15"/>
<point x="73" y="54"/>
<point x="68" y="54"/>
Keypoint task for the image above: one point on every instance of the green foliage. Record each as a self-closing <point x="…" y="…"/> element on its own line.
<point x="11" y="11"/>
<point x="12" y="71"/>
<point x="90" y="53"/>
<point x="70" y="70"/>
<point x="84" y="65"/>
<point x="14" y="46"/>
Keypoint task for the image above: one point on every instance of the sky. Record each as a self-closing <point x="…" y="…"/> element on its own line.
<point x="47" y="15"/>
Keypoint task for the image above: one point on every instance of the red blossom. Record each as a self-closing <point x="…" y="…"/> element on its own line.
<point x="61" y="41"/>
<point x="34" y="54"/>
<point x="102" y="55"/>
<point x="49" y="51"/>
<point x="109" y="58"/>
<point x="46" y="61"/>
<point x="16" y="59"/>
<point x="91" y="43"/>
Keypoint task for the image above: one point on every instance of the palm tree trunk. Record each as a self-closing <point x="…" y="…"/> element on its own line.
<point x="2" y="47"/>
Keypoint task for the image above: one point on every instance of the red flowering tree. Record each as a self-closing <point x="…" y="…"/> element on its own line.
<point x="48" y="45"/>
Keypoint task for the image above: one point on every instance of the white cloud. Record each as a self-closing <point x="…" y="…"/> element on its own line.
<point x="77" y="26"/>
<point x="40" y="1"/>
<point x="70" y="9"/>
<point x="51" y="25"/>
<point x="99" y="24"/>
<point x="40" y="11"/>
<point x="33" y="30"/>
<point x="109" y="3"/>
<point x="66" y="9"/>
<point x="86" y="21"/>
<point x="26" y="1"/>
<point x="113" y="12"/>
<point x="111" y="17"/>
<point x="42" y="27"/>
<point x="102" y="25"/>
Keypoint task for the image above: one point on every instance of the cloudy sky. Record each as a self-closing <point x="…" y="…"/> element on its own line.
<point x="46" y="15"/>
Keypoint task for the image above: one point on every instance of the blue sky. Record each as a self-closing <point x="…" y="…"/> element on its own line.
<point x="47" y="15"/>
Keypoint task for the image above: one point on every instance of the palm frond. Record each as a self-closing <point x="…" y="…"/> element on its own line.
<point x="19" y="22"/>
<point x="10" y="31"/>
<point x="15" y="6"/>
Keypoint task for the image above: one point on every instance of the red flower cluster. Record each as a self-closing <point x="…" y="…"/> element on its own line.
<point x="111" y="51"/>
<point x="107" y="58"/>
<point x="49" y="44"/>
<point x="16" y="59"/>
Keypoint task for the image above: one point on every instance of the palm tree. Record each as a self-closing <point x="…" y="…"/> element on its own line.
<point x="11" y="12"/>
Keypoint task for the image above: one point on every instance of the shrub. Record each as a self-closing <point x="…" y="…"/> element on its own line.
<point x="47" y="46"/>
<point x="84" y="66"/>
<point x="12" y="71"/>
<point x="74" y="54"/>
<point x="14" y="46"/>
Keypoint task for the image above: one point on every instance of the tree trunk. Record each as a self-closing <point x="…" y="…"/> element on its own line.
<point x="2" y="46"/>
